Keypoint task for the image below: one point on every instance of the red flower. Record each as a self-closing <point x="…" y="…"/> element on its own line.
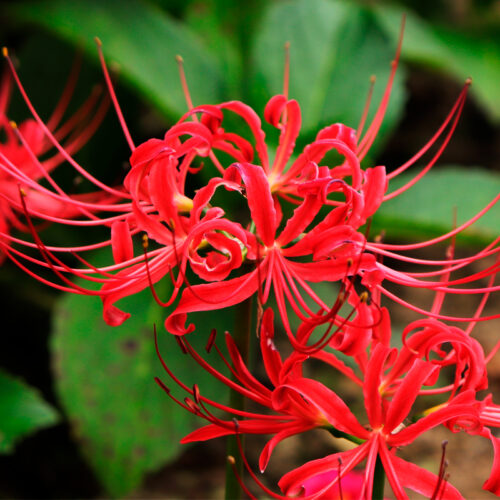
<point x="391" y="381"/>
<point x="333" y="244"/>
<point x="310" y="246"/>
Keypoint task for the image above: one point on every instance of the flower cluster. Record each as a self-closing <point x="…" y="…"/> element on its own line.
<point x="299" y="221"/>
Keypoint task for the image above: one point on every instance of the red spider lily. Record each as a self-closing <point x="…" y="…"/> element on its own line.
<point x="160" y="207"/>
<point x="156" y="186"/>
<point x="333" y="244"/>
<point x="306" y="181"/>
<point x="391" y="381"/>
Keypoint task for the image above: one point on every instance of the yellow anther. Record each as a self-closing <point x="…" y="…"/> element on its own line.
<point x="5" y="51"/>
<point x="13" y="124"/>
<point x="433" y="409"/>
<point x="184" y="204"/>
<point x="98" y="42"/>
<point x="363" y="297"/>
<point x="145" y="241"/>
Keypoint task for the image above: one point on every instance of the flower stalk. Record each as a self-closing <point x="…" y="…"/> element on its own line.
<point x="242" y="333"/>
<point x="378" y="480"/>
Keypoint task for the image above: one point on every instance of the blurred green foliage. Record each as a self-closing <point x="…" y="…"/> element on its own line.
<point x="23" y="411"/>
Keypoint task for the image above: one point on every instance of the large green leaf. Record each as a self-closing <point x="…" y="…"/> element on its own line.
<point x="23" y="411"/>
<point x="335" y="48"/>
<point x="125" y="423"/>
<point x="141" y="38"/>
<point x="459" y="54"/>
<point x="427" y="208"/>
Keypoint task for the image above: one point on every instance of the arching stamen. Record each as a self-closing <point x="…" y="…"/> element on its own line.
<point x="438" y="239"/>
<point x="286" y="72"/>
<point x="49" y="257"/>
<point x="189" y="103"/>
<point x="364" y="115"/>
<point x="367" y="141"/>
<point x="79" y="132"/>
<point x="434" y="159"/>
<point x="442" y="469"/>
<point x="459" y="102"/>
<point x="339" y="472"/>
<point x="42" y="170"/>
<point x="182" y="76"/>
<point x="419" y="310"/>
<point x="259" y="398"/>
<point x="50" y="135"/>
<point x="112" y="94"/>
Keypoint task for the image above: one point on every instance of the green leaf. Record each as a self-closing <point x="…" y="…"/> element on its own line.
<point x="23" y="411"/>
<point x="335" y="48"/>
<point x="459" y="54"/>
<point x="477" y="58"/>
<point x="205" y="19"/>
<point x="141" y="39"/>
<point x="125" y="423"/>
<point x="427" y="208"/>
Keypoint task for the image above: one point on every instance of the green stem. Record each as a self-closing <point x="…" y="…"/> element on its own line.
<point x="340" y="434"/>
<point x="241" y="337"/>
<point x="378" y="480"/>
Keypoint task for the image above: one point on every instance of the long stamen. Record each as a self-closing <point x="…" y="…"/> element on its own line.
<point x="182" y="76"/>
<point x="442" y="469"/>
<point x="437" y="155"/>
<point x="419" y="310"/>
<point x="80" y="135"/>
<point x="48" y="256"/>
<point x="436" y="135"/>
<point x="366" y="109"/>
<point x="286" y="72"/>
<point x="42" y="170"/>
<point x="112" y="94"/>
<point x="50" y="135"/>
<point x="189" y="103"/>
<point x="372" y="131"/>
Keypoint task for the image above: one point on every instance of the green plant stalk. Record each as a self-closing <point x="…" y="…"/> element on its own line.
<point x="241" y="337"/>
<point x="378" y="480"/>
